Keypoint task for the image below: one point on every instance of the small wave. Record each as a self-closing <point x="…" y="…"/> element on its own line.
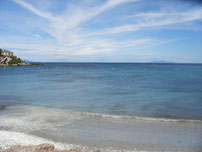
<point x="142" y="118"/>
<point x="139" y="118"/>
<point x="78" y="114"/>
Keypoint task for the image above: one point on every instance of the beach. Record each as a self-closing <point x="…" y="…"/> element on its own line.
<point x="71" y="130"/>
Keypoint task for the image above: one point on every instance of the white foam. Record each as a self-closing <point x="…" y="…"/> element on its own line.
<point x="32" y="118"/>
<point x="9" y="139"/>
<point x="139" y="118"/>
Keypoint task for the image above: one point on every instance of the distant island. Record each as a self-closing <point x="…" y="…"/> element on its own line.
<point x="7" y="58"/>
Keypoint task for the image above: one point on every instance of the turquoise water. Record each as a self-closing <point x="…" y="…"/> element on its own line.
<point x="145" y="90"/>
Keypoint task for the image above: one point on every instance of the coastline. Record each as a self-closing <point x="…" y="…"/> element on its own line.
<point x="22" y="64"/>
<point x="72" y="130"/>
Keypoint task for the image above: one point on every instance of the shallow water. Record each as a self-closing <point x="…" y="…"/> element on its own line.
<point x="144" y="90"/>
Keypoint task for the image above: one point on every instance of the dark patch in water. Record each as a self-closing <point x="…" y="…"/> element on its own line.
<point x="8" y="100"/>
<point x="3" y="107"/>
<point x="118" y="109"/>
<point x="117" y="92"/>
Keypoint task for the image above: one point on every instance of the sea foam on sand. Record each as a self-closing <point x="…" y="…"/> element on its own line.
<point x="9" y="139"/>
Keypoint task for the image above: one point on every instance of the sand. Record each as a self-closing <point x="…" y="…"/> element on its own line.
<point x="39" y="148"/>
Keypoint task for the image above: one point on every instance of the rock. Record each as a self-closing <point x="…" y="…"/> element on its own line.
<point x="45" y="148"/>
<point x="73" y="150"/>
<point x="24" y="64"/>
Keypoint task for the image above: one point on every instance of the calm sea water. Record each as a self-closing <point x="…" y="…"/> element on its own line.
<point x="146" y="90"/>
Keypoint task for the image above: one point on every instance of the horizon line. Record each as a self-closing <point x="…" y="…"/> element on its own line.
<point x="119" y="62"/>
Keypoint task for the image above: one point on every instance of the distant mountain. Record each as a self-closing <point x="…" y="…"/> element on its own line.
<point x="25" y="60"/>
<point x="161" y="61"/>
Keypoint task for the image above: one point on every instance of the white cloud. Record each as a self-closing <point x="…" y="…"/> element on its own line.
<point x="70" y="38"/>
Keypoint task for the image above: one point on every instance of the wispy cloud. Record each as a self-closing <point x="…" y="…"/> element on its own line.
<point x="155" y="19"/>
<point x="73" y="31"/>
<point x="29" y="7"/>
<point x="64" y="28"/>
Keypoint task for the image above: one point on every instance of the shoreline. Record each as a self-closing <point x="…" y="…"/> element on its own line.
<point x="14" y="65"/>
<point x="69" y="130"/>
<point x="104" y="115"/>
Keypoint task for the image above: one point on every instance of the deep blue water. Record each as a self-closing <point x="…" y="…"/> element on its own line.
<point x="151" y="90"/>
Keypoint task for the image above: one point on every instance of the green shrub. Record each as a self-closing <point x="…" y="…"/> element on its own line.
<point x="15" y="60"/>
<point x="1" y="52"/>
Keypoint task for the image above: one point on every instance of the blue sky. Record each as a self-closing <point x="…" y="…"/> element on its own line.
<point x="102" y="30"/>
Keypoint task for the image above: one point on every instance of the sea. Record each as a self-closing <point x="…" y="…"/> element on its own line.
<point x="54" y="102"/>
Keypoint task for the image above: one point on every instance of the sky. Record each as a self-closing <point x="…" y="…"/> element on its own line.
<point x="102" y="30"/>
